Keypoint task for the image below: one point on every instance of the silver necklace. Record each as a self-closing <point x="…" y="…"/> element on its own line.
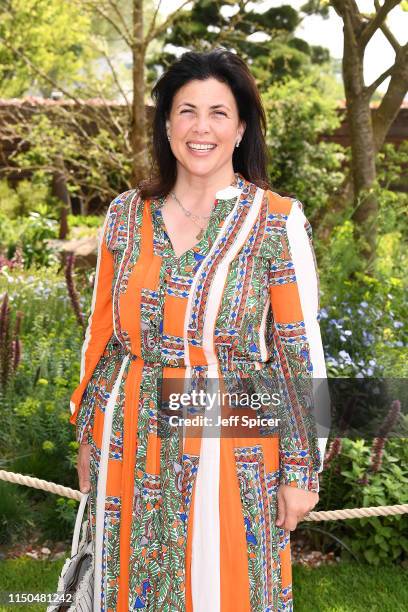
<point x="195" y="217"/>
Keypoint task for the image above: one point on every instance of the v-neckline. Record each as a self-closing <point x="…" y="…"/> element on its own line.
<point x="194" y="247"/>
<point x="233" y="191"/>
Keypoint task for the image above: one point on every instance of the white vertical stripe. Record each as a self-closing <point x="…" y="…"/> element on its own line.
<point x="205" y="556"/>
<point x="131" y="214"/>
<point x="230" y="192"/>
<point x="262" y="330"/>
<point x="217" y="286"/>
<point x="306" y="278"/>
<point x="102" y="479"/>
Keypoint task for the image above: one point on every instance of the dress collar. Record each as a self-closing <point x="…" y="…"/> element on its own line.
<point x="222" y="195"/>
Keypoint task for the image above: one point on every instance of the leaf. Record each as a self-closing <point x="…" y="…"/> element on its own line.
<point x="370" y="556"/>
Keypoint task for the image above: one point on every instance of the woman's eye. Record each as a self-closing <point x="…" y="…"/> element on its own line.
<point x="188" y="110"/>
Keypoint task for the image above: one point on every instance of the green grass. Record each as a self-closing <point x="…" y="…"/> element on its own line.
<point x="25" y="575"/>
<point x="346" y="587"/>
<point x="349" y="587"/>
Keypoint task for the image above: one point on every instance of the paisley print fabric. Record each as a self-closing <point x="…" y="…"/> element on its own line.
<point x="186" y="522"/>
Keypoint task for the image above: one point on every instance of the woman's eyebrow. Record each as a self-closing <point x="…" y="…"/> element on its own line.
<point x="194" y="106"/>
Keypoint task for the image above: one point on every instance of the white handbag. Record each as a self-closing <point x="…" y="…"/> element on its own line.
<point x="75" y="584"/>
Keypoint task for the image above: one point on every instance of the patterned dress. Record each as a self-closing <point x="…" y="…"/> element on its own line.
<point x="183" y="518"/>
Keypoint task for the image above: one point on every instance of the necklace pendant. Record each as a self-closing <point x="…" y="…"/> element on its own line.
<point x="200" y="234"/>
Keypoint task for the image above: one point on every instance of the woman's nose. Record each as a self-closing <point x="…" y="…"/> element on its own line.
<point x="201" y="123"/>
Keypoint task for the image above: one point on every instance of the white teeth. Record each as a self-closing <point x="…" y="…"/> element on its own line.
<point x="200" y="147"/>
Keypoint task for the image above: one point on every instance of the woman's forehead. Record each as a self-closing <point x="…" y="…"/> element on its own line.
<point x="210" y="85"/>
<point x="216" y="94"/>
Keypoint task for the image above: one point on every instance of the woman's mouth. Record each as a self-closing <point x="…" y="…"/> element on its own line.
<point x="200" y="149"/>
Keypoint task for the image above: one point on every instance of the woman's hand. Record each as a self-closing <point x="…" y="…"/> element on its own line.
<point x="293" y="504"/>
<point x="84" y="456"/>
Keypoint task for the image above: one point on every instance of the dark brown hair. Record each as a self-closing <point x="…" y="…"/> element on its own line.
<point x="250" y="158"/>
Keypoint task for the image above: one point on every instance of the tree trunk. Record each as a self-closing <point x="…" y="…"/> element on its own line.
<point x="138" y="133"/>
<point x="59" y="190"/>
<point x="361" y="136"/>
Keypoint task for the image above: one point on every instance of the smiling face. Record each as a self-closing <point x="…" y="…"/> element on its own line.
<point x="204" y="127"/>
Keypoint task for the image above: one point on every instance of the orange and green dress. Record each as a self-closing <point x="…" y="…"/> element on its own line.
<point x="184" y="521"/>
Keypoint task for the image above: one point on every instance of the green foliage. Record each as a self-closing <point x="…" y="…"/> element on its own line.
<point x="376" y="540"/>
<point x="57" y="519"/>
<point x="28" y="217"/>
<point x="29" y="233"/>
<point x="298" y="114"/>
<point x="36" y="437"/>
<point x="84" y="221"/>
<point x="28" y="196"/>
<point x="41" y="33"/>
<point x="206" y="24"/>
<point x="364" y="315"/>
<point x="99" y="161"/>
<point x="16" y="516"/>
<point x="363" y="330"/>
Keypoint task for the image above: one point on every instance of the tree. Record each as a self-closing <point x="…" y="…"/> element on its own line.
<point x="265" y="40"/>
<point x="138" y="30"/>
<point x="368" y="127"/>
<point x="39" y="33"/>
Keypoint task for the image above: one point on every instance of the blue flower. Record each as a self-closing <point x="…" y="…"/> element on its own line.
<point x="344" y="355"/>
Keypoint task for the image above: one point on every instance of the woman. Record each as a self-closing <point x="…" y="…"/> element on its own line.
<point x="205" y="279"/>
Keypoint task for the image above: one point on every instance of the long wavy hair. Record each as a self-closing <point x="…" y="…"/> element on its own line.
<point x="250" y="158"/>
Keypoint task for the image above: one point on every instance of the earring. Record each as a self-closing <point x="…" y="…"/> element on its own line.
<point x="237" y="143"/>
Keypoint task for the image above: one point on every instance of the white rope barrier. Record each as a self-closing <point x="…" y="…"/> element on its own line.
<point x="38" y="483"/>
<point x="322" y="515"/>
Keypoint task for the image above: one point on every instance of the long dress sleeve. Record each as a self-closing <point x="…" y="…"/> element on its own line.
<point x="100" y="322"/>
<point x="294" y="293"/>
